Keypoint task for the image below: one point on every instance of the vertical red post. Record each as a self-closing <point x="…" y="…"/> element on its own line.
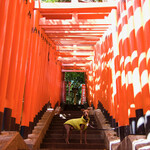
<point x="127" y="66"/>
<point x="13" y="63"/>
<point x="22" y="61"/>
<point x="4" y="6"/>
<point x="138" y="21"/>
<point x="30" y="75"/>
<point x="134" y="62"/>
<point x="25" y="56"/>
<point x="120" y="78"/>
<point x="34" y="101"/>
<point x="7" y="50"/>
<point x="146" y="29"/>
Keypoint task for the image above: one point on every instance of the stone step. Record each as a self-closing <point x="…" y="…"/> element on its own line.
<point x="62" y="123"/>
<point x="62" y="140"/>
<point x="71" y="115"/>
<point x="73" y="146"/>
<point x="69" y="149"/>
<point x="90" y="131"/>
<point x="58" y="127"/>
<point x="57" y="135"/>
<point x="63" y="120"/>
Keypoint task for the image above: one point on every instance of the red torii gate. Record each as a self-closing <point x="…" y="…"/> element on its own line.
<point x="40" y="41"/>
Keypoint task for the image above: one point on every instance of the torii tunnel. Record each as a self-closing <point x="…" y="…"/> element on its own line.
<point x="108" y="41"/>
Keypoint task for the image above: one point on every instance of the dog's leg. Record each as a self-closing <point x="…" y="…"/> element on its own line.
<point x="85" y="137"/>
<point x="67" y="127"/>
<point x="81" y="132"/>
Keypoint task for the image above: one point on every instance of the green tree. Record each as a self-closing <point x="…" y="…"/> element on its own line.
<point x="76" y="79"/>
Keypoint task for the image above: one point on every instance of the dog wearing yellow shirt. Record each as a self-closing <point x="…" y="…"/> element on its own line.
<point x="80" y="124"/>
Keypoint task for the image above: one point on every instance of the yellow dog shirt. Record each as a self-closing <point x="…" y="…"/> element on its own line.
<point x="77" y="122"/>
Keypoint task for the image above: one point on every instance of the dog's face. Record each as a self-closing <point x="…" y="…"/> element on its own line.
<point x="86" y="113"/>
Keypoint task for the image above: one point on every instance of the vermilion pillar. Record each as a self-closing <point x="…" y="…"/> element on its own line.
<point x="134" y="64"/>
<point x="30" y="76"/>
<point x="120" y="80"/>
<point x="142" y="60"/>
<point x="146" y="29"/>
<point x="35" y="97"/>
<point x="130" y="104"/>
<point x="7" y="50"/>
<point x="13" y="63"/>
<point x="4" y="6"/>
<point x="22" y="62"/>
<point x="115" y="67"/>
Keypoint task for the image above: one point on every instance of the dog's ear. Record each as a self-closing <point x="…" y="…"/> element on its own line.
<point x="82" y="110"/>
<point x="85" y="111"/>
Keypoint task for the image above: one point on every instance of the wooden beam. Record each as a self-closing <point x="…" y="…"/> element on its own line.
<point x="74" y="61"/>
<point x="74" y="32"/>
<point x="45" y="22"/>
<point x="70" y="15"/>
<point x="80" y="51"/>
<point x="76" y="27"/>
<point x="77" y="64"/>
<point x="57" y="16"/>
<point x="60" y="42"/>
<point x="77" y="54"/>
<point x="71" y="44"/>
<point x="73" y="67"/>
<point x="75" y="7"/>
<point x="73" y="70"/>
<point x="75" y="48"/>
<point x="76" y="38"/>
<point x="92" y="16"/>
<point x="69" y="35"/>
<point x="75" y="58"/>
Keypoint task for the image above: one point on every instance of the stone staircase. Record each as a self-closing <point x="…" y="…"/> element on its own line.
<point x="55" y="135"/>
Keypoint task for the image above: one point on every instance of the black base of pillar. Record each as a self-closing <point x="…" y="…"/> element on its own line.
<point x="24" y="132"/>
<point x="40" y="114"/>
<point x="133" y="129"/>
<point x="116" y="129"/>
<point x="7" y="119"/>
<point x="140" y="122"/>
<point x="147" y="123"/>
<point x="100" y="106"/>
<point x="113" y="123"/>
<point x="45" y="107"/>
<point x="12" y="127"/>
<point x="110" y="120"/>
<point x="1" y="121"/>
<point x="56" y="105"/>
<point x="107" y="115"/>
<point x="124" y="131"/>
<point x="35" y="120"/>
<point x="31" y="127"/>
<point x="17" y="127"/>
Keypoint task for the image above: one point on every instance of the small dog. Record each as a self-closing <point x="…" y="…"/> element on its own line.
<point x="80" y="124"/>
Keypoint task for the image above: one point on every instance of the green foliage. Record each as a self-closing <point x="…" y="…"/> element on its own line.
<point x="76" y="78"/>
